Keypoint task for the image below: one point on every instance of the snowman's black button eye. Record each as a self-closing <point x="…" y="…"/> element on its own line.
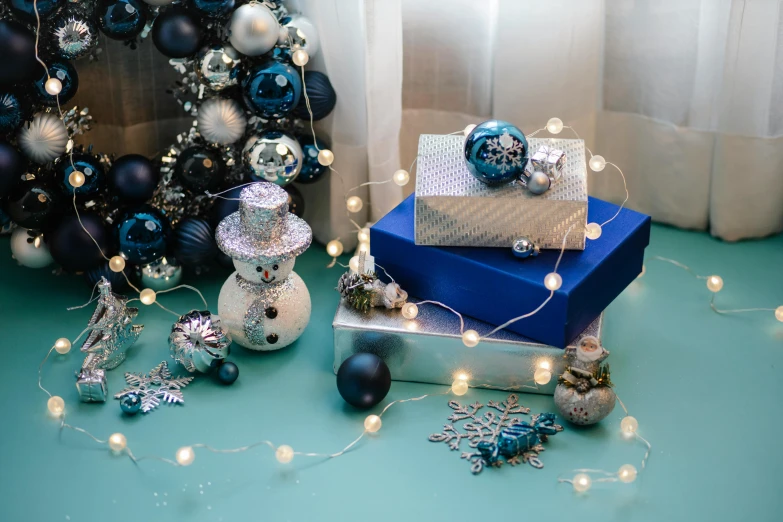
<point x="259" y="269"/>
<point x="275" y="267"/>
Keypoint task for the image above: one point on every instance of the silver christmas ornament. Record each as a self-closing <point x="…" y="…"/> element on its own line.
<point x="221" y="121"/>
<point x="29" y="249"/>
<point x="538" y="182"/>
<point x="75" y="36"/>
<point x="302" y="34"/>
<point x="44" y="139"/>
<point x="584" y="392"/>
<point x="216" y="66"/>
<point x="161" y="274"/>
<point x="524" y="248"/>
<point x="273" y="156"/>
<point x="253" y="29"/>
<point x="198" y="341"/>
<point x="155" y="387"/>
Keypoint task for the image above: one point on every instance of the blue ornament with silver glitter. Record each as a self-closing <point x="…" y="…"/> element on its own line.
<point x="121" y="19"/>
<point x="69" y="79"/>
<point x="87" y="164"/>
<point x="496" y="152"/>
<point x="141" y="234"/>
<point x="11" y="112"/>
<point x="271" y="89"/>
<point x="130" y="403"/>
<point x="311" y="169"/>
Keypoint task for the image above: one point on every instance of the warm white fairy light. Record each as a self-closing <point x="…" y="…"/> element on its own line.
<point x="627" y="473"/>
<point x="544" y="364"/>
<point x="363" y="247"/>
<point x="364" y="235"/>
<point x="715" y="283"/>
<point x="597" y="163"/>
<point x="554" y="125"/>
<point x="300" y="57"/>
<point x="542" y="376"/>
<point x="553" y="281"/>
<point x="325" y="157"/>
<point x="779" y="313"/>
<point x="117" y="442"/>
<point x="117" y="264"/>
<point x="284" y="454"/>
<point x="353" y="264"/>
<point x="410" y="311"/>
<point x="468" y="129"/>
<point x="354" y="204"/>
<point x="76" y="179"/>
<point x="185" y="456"/>
<point x="56" y="405"/>
<point x="334" y="248"/>
<point x="628" y="426"/>
<point x="53" y="86"/>
<point x="582" y="482"/>
<point x="593" y="231"/>
<point x="459" y="387"/>
<point x="401" y="177"/>
<point x="470" y="338"/>
<point x="147" y="296"/>
<point x="372" y="423"/>
<point x="62" y="346"/>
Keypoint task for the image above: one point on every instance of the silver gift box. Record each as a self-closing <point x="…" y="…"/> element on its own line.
<point x="429" y="349"/>
<point x="453" y="208"/>
<point x="548" y="160"/>
<point x="91" y="385"/>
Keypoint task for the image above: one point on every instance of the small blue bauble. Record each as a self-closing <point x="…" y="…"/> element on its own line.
<point x="271" y="89"/>
<point x="121" y="19"/>
<point x="213" y="8"/>
<point x="130" y="403"/>
<point x="227" y="373"/>
<point x="133" y="178"/>
<point x="194" y="242"/>
<point x="141" y="234"/>
<point x="177" y="33"/>
<point x="496" y="152"/>
<point x="321" y="94"/>
<point x="311" y="169"/>
<point x="87" y="164"/>
<point x="69" y="78"/>
<point x="25" y="9"/>
<point x="363" y="380"/>
<point x="72" y="248"/>
<point x="11" y="113"/>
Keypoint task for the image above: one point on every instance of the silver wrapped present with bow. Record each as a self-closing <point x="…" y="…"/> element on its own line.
<point x="548" y="160"/>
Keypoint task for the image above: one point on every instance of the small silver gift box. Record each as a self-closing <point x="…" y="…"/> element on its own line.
<point x="548" y="160"/>
<point x="91" y="385"/>
<point x="430" y="349"/>
<point x="455" y="209"/>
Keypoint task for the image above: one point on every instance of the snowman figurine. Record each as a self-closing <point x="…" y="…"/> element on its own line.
<point x="264" y="304"/>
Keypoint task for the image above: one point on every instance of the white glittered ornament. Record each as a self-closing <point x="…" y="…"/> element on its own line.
<point x="253" y="29"/>
<point x="33" y="253"/>
<point x="44" y="139"/>
<point x="221" y="121"/>
<point x="302" y="34"/>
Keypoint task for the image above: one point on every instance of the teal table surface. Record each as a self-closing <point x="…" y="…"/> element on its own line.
<point x="704" y="388"/>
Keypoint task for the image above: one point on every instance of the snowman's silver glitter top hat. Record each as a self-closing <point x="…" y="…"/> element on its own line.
<point x="263" y="231"/>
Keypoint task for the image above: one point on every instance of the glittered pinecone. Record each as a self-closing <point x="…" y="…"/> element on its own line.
<point x="347" y="281"/>
<point x="583" y="386"/>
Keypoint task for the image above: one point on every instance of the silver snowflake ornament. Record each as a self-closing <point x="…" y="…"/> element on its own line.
<point x="155" y="387"/>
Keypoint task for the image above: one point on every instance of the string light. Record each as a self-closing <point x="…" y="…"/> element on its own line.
<point x="459" y="387"/>
<point x="582" y="482"/>
<point x="76" y="179"/>
<point x="372" y="423"/>
<point x="779" y="313"/>
<point x="410" y="311"/>
<point x="553" y="281"/>
<point x="554" y="125"/>
<point x="353" y="264"/>
<point x="300" y="57"/>
<point x="53" y="86"/>
<point x="117" y="442"/>
<point x="468" y="129"/>
<point x="56" y="405"/>
<point x="284" y="454"/>
<point x="401" y="177"/>
<point x="147" y="296"/>
<point x="593" y="231"/>
<point x="626" y="473"/>
<point x="185" y="456"/>
<point x="715" y="283"/>
<point x="334" y="248"/>
<point x="117" y="264"/>
<point x="542" y="376"/>
<point x="629" y="425"/>
<point x="597" y="163"/>
<point x="470" y="338"/>
<point x="354" y="204"/>
<point x="62" y="346"/>
<point x="325" y="157"/>
<point x="364" y="235"/>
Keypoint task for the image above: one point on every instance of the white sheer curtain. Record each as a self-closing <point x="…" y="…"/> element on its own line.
<point x="685" y="95"/>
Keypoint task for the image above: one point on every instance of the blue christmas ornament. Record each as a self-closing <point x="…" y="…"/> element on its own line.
<point x="74" y="249"/>
<point x="12" y="166"/>
<point x="177" y="33"/>
<point x="25" y="9"/>
<point x="311" y="169"/>
<point x="496" y="152"/>
<point x="226" y="205"/>
<point x="194" y="242"/>
<point x="133" y="178"/>
<point x="271" y="89"/>
<point x="117" y="279"/>
<point x="141" y="234"/>
<point x="228" y="372"/>
<point x="11" y="113"/>
<point x="87" y="164"/>
<point x="17" y="48"/>
<point x="213" y="8"/>
<point x="130" y="403"/>
<point x="121" y="19"/>
<point x="69" y="79"/>
<point x="321" y="94"/>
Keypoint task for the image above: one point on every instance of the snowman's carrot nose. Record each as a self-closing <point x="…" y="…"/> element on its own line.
<point x="266" y="274"/>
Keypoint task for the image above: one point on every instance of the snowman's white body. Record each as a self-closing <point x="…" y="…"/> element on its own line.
<point x="264" y="307"/>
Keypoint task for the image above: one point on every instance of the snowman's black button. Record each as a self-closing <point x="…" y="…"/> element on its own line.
<point x="271" y="338"/>
<point x="271" y="312"/>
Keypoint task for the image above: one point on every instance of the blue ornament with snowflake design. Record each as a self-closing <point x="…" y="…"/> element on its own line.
<point x="496" y="152"/>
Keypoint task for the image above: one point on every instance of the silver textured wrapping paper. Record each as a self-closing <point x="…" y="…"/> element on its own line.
<point x="455" y="209"/>
<point x="430" y="349"/>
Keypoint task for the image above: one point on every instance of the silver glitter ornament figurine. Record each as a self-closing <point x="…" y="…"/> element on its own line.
<point x="584" y="392"/>
<point x="524" y="248"/>
<point x="265" y="305"/>
<point x="198" y="341"/>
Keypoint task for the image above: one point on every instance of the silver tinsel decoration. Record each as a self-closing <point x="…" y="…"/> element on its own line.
<point x="155" y="387"/>
<point x="75" y="36"/>
<point x="198" y="341"/>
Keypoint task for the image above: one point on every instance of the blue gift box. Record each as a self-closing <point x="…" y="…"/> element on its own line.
<point x="492" y="285"/>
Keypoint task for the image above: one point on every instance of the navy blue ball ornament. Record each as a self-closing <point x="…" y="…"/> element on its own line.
<point x="133" y="178"/>
<point x="17" y="49"/>
<point x="72" y="248"/>
<point x="32" y="203"/>
<point x="363" y="380"/>
<point x="193" y="243"/>
<point x="121" y="19"/>
<point x="25" y="9"/>
<point x="177" y="34"/>
<point x="271" y="89"/>
<point x="311" y="169"/>
<point x="199" y="169"/>
<point x="226" y="205"/>
<point x="130" y="403"/>
<point x="321" y="94"/>
<point x="69" y="80"/>
<point x="12" y="166"/>
<point x="141" y="234"/>
<point x="117" y="280"/>
<point x="296" y="204"/>
<point x="213" y="8"/>
<point x="74" y="35"/>
<point x="496" y="152"/>
<point x="227" y="373"/>
<point x="11" y="113"/>
<point x="87" y="164"/>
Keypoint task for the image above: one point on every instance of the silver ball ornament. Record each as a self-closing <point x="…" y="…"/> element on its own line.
<point x="221" y="121"/>
<point x="216" y="66"/>
<point x="273" y="156"/>
<point x="28" y="251"/>
<point x="538" y="182"/>
<point x="44" y="139"/>
<point x="524" y="248"/>
<point x="160" y="275"/>
<point x="253" y="29"/>
<point x="302" y="34"/>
